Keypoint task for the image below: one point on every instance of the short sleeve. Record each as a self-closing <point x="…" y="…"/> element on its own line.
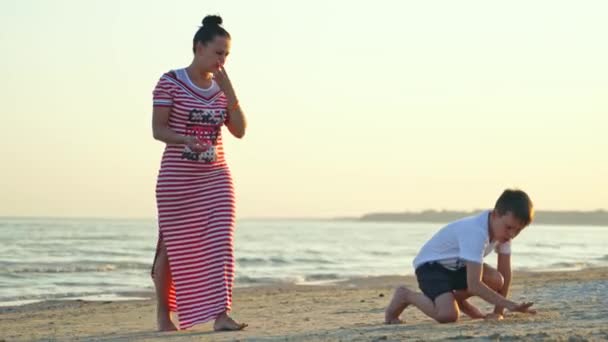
<point x="163" y="95"/>
<point x="472" y="247"/>
<point x="503" y="248"/>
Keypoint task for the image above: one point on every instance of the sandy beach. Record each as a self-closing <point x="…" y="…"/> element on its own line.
<point x="572" y="307"/>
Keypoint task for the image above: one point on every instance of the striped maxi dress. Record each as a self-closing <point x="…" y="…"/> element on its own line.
<point x="195" y="200"/>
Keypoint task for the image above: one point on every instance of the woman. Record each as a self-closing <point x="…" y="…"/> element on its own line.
<point x="193" y="268"/>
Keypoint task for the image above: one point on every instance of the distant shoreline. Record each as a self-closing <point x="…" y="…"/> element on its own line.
<point x="567" y="217"/>
<point x="586" y="218"/>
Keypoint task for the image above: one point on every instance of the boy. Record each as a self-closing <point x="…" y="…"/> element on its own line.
<point x="450" y="267"/>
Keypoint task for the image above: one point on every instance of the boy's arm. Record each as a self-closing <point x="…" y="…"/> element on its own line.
<point x="478" y="288"/>
<point x="470" y="309"/>
<point x="504" y="268"/>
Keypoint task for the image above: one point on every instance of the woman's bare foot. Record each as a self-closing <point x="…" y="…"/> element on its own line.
<point x="396" y="306"/>
<point x="224" y="322"/>
<point x="165" y="324"/>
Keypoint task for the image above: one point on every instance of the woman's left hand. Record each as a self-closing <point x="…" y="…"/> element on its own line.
<point x="221" y="78"/>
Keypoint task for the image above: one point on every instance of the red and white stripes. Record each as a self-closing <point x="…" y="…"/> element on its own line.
<point x="195" y="201"/>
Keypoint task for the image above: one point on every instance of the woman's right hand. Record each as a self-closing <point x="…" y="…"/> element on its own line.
<point x="196" y="145"/>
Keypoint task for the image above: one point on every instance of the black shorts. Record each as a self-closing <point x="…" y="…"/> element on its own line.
<point x="435" y="280"/>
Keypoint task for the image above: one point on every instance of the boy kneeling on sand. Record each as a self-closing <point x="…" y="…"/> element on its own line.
<point x="450" y="266"/>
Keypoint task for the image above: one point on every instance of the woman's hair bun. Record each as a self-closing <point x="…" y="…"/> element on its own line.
<point x="212" y="20"/>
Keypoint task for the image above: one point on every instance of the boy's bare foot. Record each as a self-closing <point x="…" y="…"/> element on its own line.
<point x="165" y="324"/>
<point x="396" y="306"/>
<point x="224" y="322"/>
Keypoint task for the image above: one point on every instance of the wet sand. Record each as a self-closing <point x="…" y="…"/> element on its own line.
<point x="572" y="306"/>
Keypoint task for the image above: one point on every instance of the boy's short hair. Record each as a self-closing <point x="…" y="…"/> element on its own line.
<point x="517" y="202"/>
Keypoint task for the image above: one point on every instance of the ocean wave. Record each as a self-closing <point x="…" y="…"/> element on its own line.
<point x="251" y="261"/>
<point x="304" y="279"/>
<point x="86" y="238"/>
<point x="323" y="276"/>
<point x="314" y="261"/>
<point x="569" y="266"/>
<point x="109" y="253"/>
<point x="80" y="284"/>
<point x="280" y="261"/>
<point x="72" y="267"/>
<point x="312" y="251"/>
<point x="249" y="280"/>
<point x="50" y="296"/>
<point x="548" y="245"/>
<point x="72" y="295"/>
<point x="254" y="261"/>
<point x="380" y="253"/>
<point x="558" y="266"/>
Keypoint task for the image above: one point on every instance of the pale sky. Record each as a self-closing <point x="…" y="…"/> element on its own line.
<point x="352" y="106"/>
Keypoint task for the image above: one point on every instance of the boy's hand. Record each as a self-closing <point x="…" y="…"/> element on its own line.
<point x="521" y="307"/>
<point x="494" y="317"/>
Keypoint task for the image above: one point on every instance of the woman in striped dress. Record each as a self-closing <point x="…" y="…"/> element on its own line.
<point x="193" y="268"/>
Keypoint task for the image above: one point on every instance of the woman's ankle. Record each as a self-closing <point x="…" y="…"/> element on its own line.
<point x="163" y="313"/>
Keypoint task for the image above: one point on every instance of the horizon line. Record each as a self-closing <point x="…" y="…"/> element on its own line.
<point x="312" y="218"/>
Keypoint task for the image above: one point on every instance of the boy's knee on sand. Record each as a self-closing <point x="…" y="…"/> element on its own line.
<point x="447" y="317"/>
<point x="402" y="292"/>
<point x="499" y="281"/>
<point x="447" y="309"/>
<point x="496" y="281"/>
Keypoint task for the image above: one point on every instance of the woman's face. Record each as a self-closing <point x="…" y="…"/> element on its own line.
<point x="212" y="56"/>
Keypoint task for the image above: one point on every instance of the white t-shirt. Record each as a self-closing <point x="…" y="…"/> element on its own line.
<point x="467" y="239"/>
